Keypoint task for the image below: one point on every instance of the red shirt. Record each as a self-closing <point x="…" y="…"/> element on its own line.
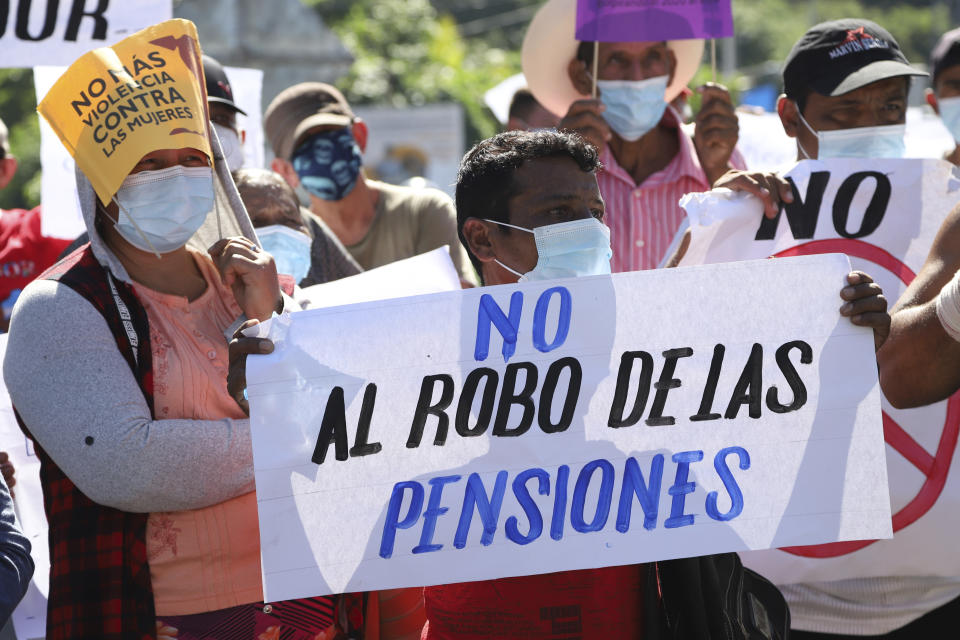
<point x="644" y="219"/>
<point x="588" y="604"/>
<point x="24" y="252"/>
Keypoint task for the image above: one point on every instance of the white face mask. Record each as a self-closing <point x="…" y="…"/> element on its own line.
<point x="231" y="146"/>
<point x="886" y="141"/>
<point x="950" y="114"/>
<point x="161" y="210"/>
<point x="634" y="107"/>
<point x="567" y="250"/>
<point x="289" y="248"/>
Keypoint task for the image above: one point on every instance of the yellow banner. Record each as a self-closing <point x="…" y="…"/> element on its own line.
<point x="116" y="104"/>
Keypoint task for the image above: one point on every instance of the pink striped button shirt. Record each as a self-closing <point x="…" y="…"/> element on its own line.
<point x="644" y="219"/>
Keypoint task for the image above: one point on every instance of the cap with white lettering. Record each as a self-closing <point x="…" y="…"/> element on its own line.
<point x="840" y="56"/>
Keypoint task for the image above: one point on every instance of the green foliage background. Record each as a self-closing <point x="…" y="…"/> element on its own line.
<point x="767" y="29"/>
<point x="411" y="52"/>
<point x="18" y="104"/>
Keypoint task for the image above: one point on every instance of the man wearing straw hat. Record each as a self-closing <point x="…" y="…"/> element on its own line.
<point x="649" y="160"/>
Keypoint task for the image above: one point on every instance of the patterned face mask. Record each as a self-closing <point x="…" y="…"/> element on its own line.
<point x="328" y="164"/>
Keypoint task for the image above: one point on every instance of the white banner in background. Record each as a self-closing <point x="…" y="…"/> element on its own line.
<point x="884" y="214"/>
<point x="430" y="272"/>
<point x="57" y="33"/>
<point x="570" y="424"/>
<point x="426" y="141"/>
<point x="61" y="216"/>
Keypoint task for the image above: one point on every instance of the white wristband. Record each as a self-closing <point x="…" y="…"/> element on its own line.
<point x="948" y="307"/>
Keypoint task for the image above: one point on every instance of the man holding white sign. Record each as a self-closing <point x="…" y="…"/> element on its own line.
<point x="542" y="183"/>
<point x="903" y="587"/>
<point x="846" y="85"/>
<point x="550" y="227"/>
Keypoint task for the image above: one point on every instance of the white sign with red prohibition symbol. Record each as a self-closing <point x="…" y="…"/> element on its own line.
<point x="884" y="214"/>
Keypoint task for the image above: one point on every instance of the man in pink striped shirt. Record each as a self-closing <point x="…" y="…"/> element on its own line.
<point x="649" y="159"/>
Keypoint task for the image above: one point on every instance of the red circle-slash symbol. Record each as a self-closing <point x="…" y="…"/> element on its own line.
<point x="934" y="468"/>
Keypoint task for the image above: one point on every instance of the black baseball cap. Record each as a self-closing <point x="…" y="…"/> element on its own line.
<point x="946" y="53"/>
<point x="218" y="86"/>
<point x="840" y="56"/>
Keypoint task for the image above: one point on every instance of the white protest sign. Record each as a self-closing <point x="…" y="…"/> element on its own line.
<point x="47" y="32"/>
<point x="30" y="616"/>
<point x="247" y="86"/>
<point x="576" y="423"/>
<point x="62" y="217"/>
<point x="884" y="214"/>
<point x="763" y="143"/>
<point x="430" y="133"/>
<point x="926" y="136"/>
<point x="430" y="272"/>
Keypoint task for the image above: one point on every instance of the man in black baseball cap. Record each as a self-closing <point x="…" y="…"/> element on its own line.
<point x="223" y="112"/>
<point x="944" y="97"/>
<point x="846" y="75"/>
<point x="845" y="86"/>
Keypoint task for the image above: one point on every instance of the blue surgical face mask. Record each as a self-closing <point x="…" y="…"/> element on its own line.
<point x="161" y="210"/>
<point x="328" y="164"/>
<point x="886" y="141"/>
<point x="950" y="114"/>
<point x="290" y="249"/>
<point x="634" y="107"/>
<point x="567" y="250"/>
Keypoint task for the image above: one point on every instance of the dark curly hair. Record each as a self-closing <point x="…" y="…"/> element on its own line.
<point x="485" y="179"/>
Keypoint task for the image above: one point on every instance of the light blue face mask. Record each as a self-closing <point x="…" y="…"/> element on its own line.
<point x="634" y="107"/>
<point x="886" y="141"/>
<point x="161" y="210"/>
<point x="950" y="114"/>
<point x="567" y="250"/>
<point x="290" y="249"/>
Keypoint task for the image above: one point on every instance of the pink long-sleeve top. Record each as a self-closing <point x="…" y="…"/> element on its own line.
<point x="209" y="558"/>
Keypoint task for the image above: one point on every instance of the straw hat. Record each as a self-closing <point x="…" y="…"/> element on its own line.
<point x="550" y="45"/>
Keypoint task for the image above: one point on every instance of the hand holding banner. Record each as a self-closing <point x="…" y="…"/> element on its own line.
<point x="569" y="424"/>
